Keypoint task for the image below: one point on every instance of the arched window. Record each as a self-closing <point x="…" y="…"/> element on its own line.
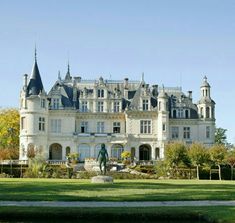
<point x="116" y="151"/>
<point x="67" y="150"/>
<point x="55" y="152"/>
<point x="96" y="150"/>
<point x="144" y="152"/>
<point x="207" y="112"/>
<point x="201" y="111"/>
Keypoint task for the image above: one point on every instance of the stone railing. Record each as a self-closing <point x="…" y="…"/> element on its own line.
<point x="13" y="162"/>
<point x="56" y="162"/>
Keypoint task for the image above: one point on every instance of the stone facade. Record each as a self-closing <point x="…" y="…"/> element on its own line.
<point x="78" y="115"/>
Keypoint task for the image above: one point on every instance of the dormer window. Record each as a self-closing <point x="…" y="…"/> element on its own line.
<point x="43" y="103"/>
<point x="145" y="105"/>
<point x="55" y="103"/>
<point x="100" y="93"/>
<point x="84" y="107"/>
<point x="116" y="106"/>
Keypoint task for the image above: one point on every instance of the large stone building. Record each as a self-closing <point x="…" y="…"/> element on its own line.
<point x="78" y="115"/>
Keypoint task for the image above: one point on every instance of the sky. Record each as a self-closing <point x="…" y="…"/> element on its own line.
<point x="175" y="43"/>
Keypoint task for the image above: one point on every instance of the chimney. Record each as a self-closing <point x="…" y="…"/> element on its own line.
<point x="155" y="90"/>
<point x="190" y="94"/>
<point x="126" y="83"/>
<point x="78" y="79"/>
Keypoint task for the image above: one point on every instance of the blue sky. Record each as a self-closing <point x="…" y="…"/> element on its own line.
<point x="173" y="42"/>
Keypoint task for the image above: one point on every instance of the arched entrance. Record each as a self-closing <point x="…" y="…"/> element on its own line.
<point x="116" y="151"/>
<point x="55" y="152"/>
<point x="144" y="152"/>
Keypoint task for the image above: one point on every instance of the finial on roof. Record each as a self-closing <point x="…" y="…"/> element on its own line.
<point x="35" y="53"/>
<point x="67" y="76"/>
<point x="163" y="88"/>
<point x="205" y="78"/>
<point x="68" y="72"/>
<point x="142" y="78"/>
<point x="59" y="77"/>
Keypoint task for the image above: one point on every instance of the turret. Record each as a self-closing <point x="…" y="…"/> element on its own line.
<point x="206" y="105"/>
<point x="163" y="119"/>
<point x="33" y="113"/>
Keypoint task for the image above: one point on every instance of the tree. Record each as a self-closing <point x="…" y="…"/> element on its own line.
<point x="9" y="132"/>
<point x="220" y="136"/>
<point x="218" y="154"/>
<point x="176" y="155"/>
<point x="198" y="155"/>
<point x="230" y="160"/>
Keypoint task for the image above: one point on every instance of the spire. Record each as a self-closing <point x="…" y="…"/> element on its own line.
<point x="35" y="53"/>
<point x="67" y="76"/>
<point x="35" y="85"/>
<point x="59" y="77"/>
<point x="142" y="78"/>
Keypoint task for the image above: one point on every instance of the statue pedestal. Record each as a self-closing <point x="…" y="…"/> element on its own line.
<point x="102" y="179"/>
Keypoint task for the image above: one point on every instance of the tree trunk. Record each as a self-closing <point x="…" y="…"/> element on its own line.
<point x="231" y="172"/>
<point x="210" y="173"/>
<point x="219" y="172"/>
<point x="198" y="172"/>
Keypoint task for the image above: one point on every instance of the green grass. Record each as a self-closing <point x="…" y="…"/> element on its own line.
<point x="209" y="214"/>
<point x="121" y="190"/>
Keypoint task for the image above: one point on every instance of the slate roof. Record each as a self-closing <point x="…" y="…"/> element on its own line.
<point x="35" y="85"/>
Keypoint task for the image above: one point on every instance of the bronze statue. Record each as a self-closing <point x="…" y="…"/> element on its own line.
<point x="102" y="157"/>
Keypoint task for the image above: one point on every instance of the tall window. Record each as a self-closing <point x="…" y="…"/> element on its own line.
<point x="208" y="132"/>
<point x="56" y="125"/>
<point x="41" y="124"/>
<point x="186" y="132"/>
<point x="201" y="111"/>
<point x="84" y="127"/>
<point x="100" y="93"/>
<point x="116" y="106"/>
<point x="84" y="106"/>
<point x="100" y="127"/>
<point x="145" y="126"/>
<point x="116" y="127"/>
<point x="55" y="103"/>
<point x="23" y="123"/>
<point x="145" y="105"/>
<point x="43" y="103"/>
<point x="207" y="112"/>
<point x="174" y="132"/>
<point x="100" y="106"/>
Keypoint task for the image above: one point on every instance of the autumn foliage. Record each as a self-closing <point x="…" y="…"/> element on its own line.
<point x="9" y="134"/>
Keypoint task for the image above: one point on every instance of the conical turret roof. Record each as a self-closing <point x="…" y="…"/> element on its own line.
<point x="35" y="85"/>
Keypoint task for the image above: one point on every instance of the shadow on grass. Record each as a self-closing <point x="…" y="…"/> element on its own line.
<point x="119" y="191"/>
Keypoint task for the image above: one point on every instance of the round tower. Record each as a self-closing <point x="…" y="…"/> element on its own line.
<point x="33" y="116"/>
<point x="162" y="121"/>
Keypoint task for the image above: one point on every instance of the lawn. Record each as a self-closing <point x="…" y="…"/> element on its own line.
<point x="121" y="190"/>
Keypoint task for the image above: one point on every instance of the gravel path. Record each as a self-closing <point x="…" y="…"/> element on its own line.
<point x="91" y="204"/>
